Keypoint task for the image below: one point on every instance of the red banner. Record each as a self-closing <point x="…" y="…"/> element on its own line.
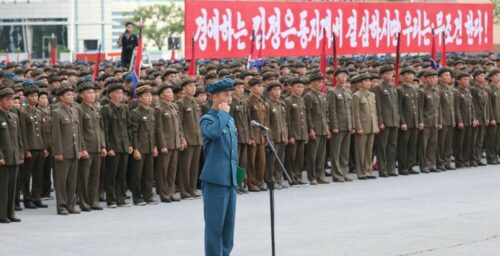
<point x="223" y="29"/>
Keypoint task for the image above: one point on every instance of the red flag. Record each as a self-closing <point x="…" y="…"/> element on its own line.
<point x="192" y="64"/>
<point x="28" y="55"/>
<point x="262" y="37"/>
<point x="138" y="58"/>
<point x="96" y="65"/>
<point x="444" y="62"/>
<point x="433" y="51"/>
<point x="172" y="56"/>
<point x="396" y="64"/>
<point x="335" y="60"/>
<point x="53" y="51"/>
<point x="7" y="59"/>
<point x="322" y="61"/>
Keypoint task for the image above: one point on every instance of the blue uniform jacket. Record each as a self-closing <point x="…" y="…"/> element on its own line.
<point x="220" y="147"/>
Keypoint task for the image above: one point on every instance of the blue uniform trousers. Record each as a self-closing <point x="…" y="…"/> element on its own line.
<point x="219" y="206"/>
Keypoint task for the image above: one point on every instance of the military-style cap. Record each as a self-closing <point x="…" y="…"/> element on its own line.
<point x="142" y="90"/>
<point x="300" y="65"/>
<point x="282" y="66"/>
<point x="187" y="81"/>
<point x="273" y="84"/>
<point x="354" y="79"/>
<point x="199" y="90"/>
<point x="63" y="89"/>
<point x="386" y="69"/>
<point x="30" y="89"/>
<point x="269" y="75"/>
<point x="55" y="79"/>
<point x="238" y="82"/>
<point x="444" y="70"/>
<point x="6" y="91"/>
<point x="163" y="87"/>
<point x="374" y="75"/>
<point x="36" y="72"/>
<point x="296" y="80"/>
<point x="493" y="72"/>
<point x="27" y="82"/>
<point x="254" y="81"/>
<point x="113" y="87"/>
<point x="112" y="80"/>
<point x="430" y="72"/>
<point x="41" y="84"/>
<point x="87" y="85"/>
<point x="408" y="69"/>
<point x="478" y="72"/>
<point x="226" y="84"/>
<point x="11" y="65"/>
<point x="364" y="76"/>
<point x="459" y="75"/>
<point x="459" y="61"/>
<point x="170" y="71"/>
<point x="43" y="92"/>
<point x="316" y="77"/>
<point x="341" y="70"/>
<point x="224" y="72"/>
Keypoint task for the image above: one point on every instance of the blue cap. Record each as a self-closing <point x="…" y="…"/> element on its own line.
<point x="17" y="79"/>
<point x="27" y="83"/>
<point x="225" y="84"/>
<point x="9" y="76"/>
<point x="128" y="77"/>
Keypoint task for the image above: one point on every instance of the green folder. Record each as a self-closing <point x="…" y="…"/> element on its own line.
<point x="240" y="176"/>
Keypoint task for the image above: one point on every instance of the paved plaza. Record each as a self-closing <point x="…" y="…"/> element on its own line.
<point x="453" y="213"/>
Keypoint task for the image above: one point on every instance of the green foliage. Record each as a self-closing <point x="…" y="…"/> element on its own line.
<point x="161" y="21"/>
<point x="496" y="10"/>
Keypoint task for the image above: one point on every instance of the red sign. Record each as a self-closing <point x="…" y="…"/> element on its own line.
<point x="223" y="29"/>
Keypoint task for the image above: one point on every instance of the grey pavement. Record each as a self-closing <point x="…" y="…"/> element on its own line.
<point x="454" y="213"/>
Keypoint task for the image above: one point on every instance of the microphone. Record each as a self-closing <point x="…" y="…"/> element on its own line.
<point x="257" y="125"/>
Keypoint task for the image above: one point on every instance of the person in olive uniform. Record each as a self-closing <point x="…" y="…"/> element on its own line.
<point x="465" y="121"/>
<point x="115" y="116"/>
<point x="143" y="140"/>
<point x="298" y="134"/>
<point x="189" y="158"/>
<point x="341" y="124"/>
<point x="67" y="148"/>
<point x="43" y="105"/>
<point x="89" y="168"/>
<point x="364" y="110"/>
<point x="430" y="122"/>
<point x="388" y="118"/>
<point x="445" y="135"/>
<point x="482" y="114"/>
<point x="317" y="122"/>
<point x="239" y="111"/>
<point x="35" y="149"/>
<point x="169" y="138"/>
<point x="279" y="130"/>
<point x="258" y="111"/>
<point x="409" y="120"/>
<point x="492" y="139"/>
<point x="11" y="156"/>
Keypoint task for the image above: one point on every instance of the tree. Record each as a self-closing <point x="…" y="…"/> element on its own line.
<point x="161" y="21"/>
<point x="496" y="10"/>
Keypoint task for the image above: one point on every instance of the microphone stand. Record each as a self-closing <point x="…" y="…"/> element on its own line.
<point x="272" y="155"/>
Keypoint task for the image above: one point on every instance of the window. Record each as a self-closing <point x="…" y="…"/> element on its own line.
<point x="174" y="41"/>
<point x="90" y="45"/>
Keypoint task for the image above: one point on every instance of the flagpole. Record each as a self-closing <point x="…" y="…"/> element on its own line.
<point x="396" y="64"/>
